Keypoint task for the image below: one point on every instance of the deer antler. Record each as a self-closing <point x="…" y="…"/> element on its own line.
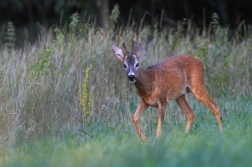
<point x="123" y="43"/>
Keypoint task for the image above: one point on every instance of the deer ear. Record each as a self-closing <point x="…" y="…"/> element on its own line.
<point x="138" y="48"/>
<point x="118" y="52"/>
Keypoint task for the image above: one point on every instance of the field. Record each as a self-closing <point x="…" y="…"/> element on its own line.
<point x="115" y="143"/>
<point x="65" y="100"/>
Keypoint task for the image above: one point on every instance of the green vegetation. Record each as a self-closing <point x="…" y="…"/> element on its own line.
<point x="116" y="143"/>
<point x="57" y="111"/>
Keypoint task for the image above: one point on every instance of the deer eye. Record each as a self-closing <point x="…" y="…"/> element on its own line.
<point x="124" y="66"/>
<point x="137" y="65"/>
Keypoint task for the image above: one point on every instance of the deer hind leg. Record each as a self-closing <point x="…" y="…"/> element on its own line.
<point x="202" y="95"/>
<point x="187" y="110"/>
<point x="140" y="109"/>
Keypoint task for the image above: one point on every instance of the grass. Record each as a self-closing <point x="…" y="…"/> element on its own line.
<point x="116" y="144"/>
<point x="42" y="122"/>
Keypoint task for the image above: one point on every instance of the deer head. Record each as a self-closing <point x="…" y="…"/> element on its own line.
<point x="130" y="60"/>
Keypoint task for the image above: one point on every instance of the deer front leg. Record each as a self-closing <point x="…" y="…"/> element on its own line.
<point x="140" y="109"/>
<point x="161" y="112"/>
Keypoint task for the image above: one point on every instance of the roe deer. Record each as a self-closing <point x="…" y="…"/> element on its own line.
<point x="168" y="80"/>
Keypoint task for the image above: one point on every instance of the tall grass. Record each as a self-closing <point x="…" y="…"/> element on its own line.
<point x="40" y="82"/>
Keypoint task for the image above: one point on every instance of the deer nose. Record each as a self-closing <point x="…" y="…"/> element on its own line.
<point x="132" y="78"/>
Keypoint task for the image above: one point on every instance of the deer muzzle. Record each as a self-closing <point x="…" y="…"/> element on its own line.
<point x="132" y="78"/>
<point x="132" y="74"/>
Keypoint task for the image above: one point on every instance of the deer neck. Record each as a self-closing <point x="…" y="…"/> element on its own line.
<point x="143" y="82"/>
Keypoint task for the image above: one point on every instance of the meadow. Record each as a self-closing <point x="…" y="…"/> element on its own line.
<point x="65" y="100"/>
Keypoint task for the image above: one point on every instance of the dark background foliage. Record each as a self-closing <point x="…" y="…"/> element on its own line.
<point x="28" y="15"/>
